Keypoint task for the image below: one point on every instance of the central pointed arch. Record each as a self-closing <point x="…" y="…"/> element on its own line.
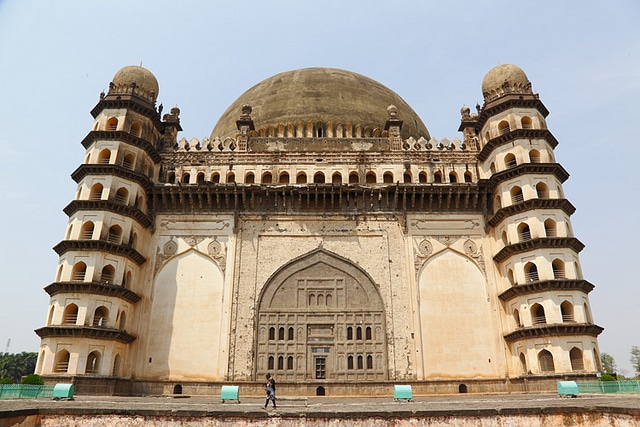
<point x="318" y="298"/>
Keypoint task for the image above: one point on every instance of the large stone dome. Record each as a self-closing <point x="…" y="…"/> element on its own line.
<point x="326" y="95"/>
<point x="146" y="82"/>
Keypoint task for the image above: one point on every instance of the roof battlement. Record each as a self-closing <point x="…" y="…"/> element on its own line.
<point x="307" y="144"/>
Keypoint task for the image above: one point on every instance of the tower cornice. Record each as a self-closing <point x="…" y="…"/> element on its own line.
<point x="107" y="135"/>
<point x="554" y="169"/>
<point x="94" y="332"/>
<point x="94" y="288"/>
<point x="129" y="102"/>
<point x="551" y="330"/>
<point x="109" y="206"/>
<point x="544" y="286"/>
<point x="114" y="170"/>
<point x="539" y="243"/>
<point x="506" y="102"/>
<point x="514" y="135"/>
<point x="99" y="245"/>
<point x="528" y="205"/>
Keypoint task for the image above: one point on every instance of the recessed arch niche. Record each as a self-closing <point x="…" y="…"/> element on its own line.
<point x="185" y="332"/>
<point x="320" y="295"/>
<point x="456" y="321"/>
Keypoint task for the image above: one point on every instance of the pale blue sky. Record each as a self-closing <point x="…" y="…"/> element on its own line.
<point x="583" y="57"/>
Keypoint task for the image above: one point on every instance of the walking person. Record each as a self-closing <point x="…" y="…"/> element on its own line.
<point x="270" y="386"/>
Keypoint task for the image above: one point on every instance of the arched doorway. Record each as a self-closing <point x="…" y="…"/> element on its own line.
<point x="331" y="311"/>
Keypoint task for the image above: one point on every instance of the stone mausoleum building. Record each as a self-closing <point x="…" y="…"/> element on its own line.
<point x="322" y="235"/>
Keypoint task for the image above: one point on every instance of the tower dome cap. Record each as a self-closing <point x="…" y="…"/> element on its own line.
<point x="505" y="78"/>
<point x="146" y="84"/>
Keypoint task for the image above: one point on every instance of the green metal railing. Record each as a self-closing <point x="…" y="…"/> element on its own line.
<point x="25" y="391"/>
<point x="599" y="387"/>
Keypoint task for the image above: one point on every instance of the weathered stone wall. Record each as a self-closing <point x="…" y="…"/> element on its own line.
<point x="569" y="419"/>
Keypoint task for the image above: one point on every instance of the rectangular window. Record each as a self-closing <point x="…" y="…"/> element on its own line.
<point x="321" y="368"/>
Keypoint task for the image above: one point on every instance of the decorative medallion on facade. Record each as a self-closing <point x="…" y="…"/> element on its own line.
<point x="425" y="249"/>
<point x="217" y="253"/>
<point x="471" y="249"/>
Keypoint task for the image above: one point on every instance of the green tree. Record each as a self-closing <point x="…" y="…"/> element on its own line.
<point x="635" y="359"/>
<point x="17" y="365"/>
<point x="608" y="364"/>
<point x="33" y="379"/>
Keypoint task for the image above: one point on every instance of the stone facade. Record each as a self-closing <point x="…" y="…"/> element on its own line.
<point x="322" y="241"/>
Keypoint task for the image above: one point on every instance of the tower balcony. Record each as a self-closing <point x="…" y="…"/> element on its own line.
<point x="545" y="286"/>
<point x="529" y="205"/>
<point x="109" y="206"/>
<point x="554" y="169"/>
<point x="93" y="288"/>
<point x="539" y="243"/>
<point x="113" y="170"/>
<point x="100" y="245"/>
<point x="513" y="135"/>
<point x="544" y="330"/>
<point x="91" y="332"/>
<point x="113" y="135"/>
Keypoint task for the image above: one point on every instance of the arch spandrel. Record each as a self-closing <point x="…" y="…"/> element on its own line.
<point x="319" y="268"/>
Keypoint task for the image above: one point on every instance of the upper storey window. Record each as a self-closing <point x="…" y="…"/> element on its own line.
<point x="128" y="161"/>
<point x="550" y="228"/>
<point x="534" y="156"/>
<point x="371" y="178"/>
<point x="136" y="129"/>
<point x="283" y="178"/>
<point x="86" y="232"/>
<point x="516" y="195"/>
<point x="526" y="123"/>
<point x="96" y="192"/>
<point x="79" y="271"/>
<point x="104" y="157"/>
<point x="542" y="190"/>
<point x="122" y="196"/>
<point x="510" y="161"/>
<point x="503" y="127"/>
<point x="112" y="124"/>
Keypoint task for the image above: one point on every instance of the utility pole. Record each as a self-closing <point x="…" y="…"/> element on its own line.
<point x="8" y="344"/>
